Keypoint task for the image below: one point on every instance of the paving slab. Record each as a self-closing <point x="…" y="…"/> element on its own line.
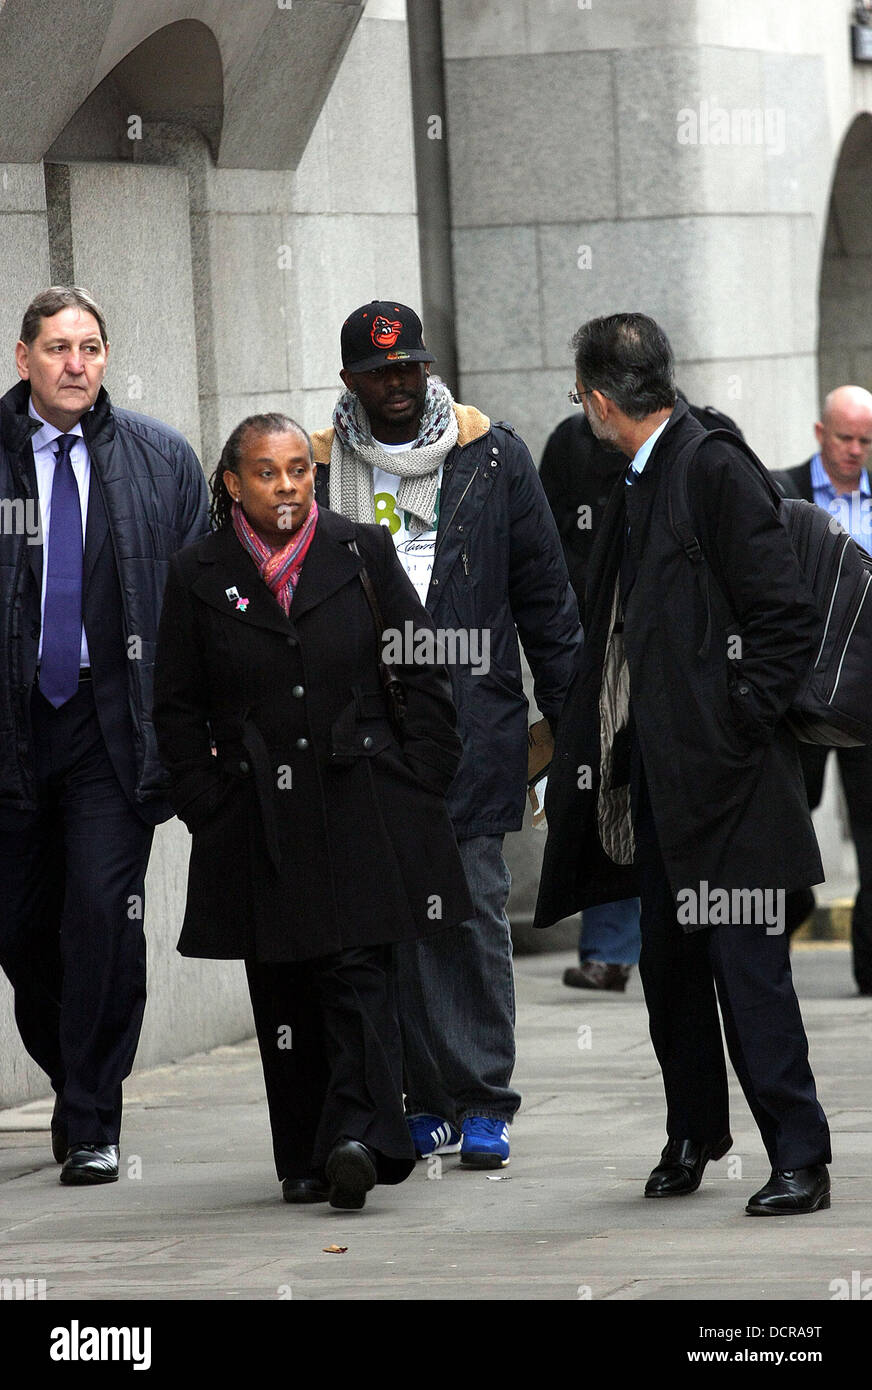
<point x="197" y="1215"/>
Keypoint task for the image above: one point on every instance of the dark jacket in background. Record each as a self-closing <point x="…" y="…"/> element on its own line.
<point x="147" y="498"/>
<point x="499" y="569"/>
<point x="314" y="829"/>
<point x="578" y="471"/>
<point x="722" y="769"/>
<point x="795" y="482"/>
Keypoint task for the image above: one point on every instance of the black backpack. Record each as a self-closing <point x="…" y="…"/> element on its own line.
<point x="834" y="705"/>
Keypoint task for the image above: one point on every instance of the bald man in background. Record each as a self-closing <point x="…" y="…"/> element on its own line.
<point x="836" y="479"/>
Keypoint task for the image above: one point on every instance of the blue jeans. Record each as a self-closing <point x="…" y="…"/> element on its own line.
<point x="457" y="1002"/>
<point x="610" y="933"/>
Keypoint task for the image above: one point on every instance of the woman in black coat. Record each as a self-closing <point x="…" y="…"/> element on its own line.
<point x="320" y="834"/>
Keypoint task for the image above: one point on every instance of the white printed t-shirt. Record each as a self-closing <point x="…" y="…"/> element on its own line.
<point x="416" y="546"/>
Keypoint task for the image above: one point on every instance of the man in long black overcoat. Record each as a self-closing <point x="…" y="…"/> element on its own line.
<point x="675" y="777"/>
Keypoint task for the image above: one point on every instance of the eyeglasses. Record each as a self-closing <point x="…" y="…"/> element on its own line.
<point x="577" y="396"/>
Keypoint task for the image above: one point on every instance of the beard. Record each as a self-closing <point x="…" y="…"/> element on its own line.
<point x="605" y="433"/>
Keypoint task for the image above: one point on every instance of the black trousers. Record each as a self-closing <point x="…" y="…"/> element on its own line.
<point x="855" y="769"/>
<point x="685" y="976"/>
<point x="332" y="1062"/>
<point x="72" y="893"/>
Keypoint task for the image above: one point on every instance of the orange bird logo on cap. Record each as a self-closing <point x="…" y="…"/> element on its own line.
<point x="385" y="332"/>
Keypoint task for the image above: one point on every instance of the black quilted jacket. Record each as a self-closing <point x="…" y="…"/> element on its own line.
<point x="156" y="502"/>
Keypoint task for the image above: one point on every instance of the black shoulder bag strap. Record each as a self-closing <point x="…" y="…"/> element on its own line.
<point x="679" y="510"/>
<point x="395" y="693"/>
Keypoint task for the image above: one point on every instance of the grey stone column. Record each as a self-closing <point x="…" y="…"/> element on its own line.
<point x="24" y="259"/>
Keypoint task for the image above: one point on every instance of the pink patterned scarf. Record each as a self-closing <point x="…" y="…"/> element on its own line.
<point x="279" y="569"/>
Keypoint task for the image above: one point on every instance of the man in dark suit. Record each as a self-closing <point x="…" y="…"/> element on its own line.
<point x="672" y="764"/>
<point x="836" y="479"/>
<point x="95" y="501"/>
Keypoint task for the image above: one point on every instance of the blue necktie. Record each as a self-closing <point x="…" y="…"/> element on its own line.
<point x="62" y="621"/>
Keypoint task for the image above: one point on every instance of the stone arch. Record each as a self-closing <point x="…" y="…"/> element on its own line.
<point x="845" y="292"/>
<point x="175" y="76"/>
<point x="120" y="179"/>
<point x="266" y="51"/>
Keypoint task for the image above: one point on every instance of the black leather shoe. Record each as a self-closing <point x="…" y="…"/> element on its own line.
<point x="681" y="1166"/>
<point x="304" y="1190"/>
<point x="792" y="1192"/>
<point x="350" y="1171"/>
<point x="59" y="1143"/>
<point x="90" y="1163"/>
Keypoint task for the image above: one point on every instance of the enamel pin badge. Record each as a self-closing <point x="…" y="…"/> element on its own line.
<point x="241" y="603"/>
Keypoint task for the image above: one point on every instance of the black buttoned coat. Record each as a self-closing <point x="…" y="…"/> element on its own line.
<point x="313" y="829"/>
<point x="709" y="682"/>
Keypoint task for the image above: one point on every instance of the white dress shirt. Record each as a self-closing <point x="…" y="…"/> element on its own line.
<point x="44" y="444"/>
<point x="642" y="455"/>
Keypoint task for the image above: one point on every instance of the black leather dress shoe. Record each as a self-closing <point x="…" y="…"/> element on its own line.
<point x="350" y="1171"/>
<point x="59" y="1143"/>
<point x="90" y="1163"/>
<point x="681" y="1166"/>
<point x="792" y="1192"/>
<point x="304" y="1190"/>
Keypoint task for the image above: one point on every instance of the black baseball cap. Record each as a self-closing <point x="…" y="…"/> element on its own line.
<point x="382" y="332"/>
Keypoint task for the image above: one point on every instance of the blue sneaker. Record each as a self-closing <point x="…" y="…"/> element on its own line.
<point x="432" y="1135"/>
<point x="485" y="1142"/>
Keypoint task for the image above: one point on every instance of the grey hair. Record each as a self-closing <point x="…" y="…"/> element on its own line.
<point x="628" y="358"/>
<point x="51" y="301"/>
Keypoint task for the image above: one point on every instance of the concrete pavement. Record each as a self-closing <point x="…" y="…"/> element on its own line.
<point x="197" y="1214"/>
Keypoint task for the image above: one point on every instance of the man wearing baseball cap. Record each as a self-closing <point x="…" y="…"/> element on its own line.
<point x="475" y="534"/>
